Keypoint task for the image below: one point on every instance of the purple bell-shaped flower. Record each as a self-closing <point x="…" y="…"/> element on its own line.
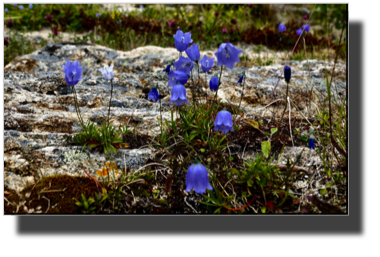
<point x="178" y="95"/>
<point x="197" y="179"/>
<point x="73" y="72"/>
<point x="223" y="122"/>
<point x="227" y="55"/>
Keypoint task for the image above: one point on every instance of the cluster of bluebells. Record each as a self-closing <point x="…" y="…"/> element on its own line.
<point x="178" y="73"/>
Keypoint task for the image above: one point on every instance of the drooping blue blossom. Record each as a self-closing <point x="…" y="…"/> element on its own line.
<point x="178" y="95"/>
<point x="6" y="10"/>
<point x="311" y="143"/>
<point x="299" y="31"/>
<point x="98" y="15"/>
<point x="15" y="5"/>
<point x="214" y="83"/>
<point x="177" y="76"/>
<point x="167" y="69"/>
<point x="223" y="122"/>
<point x="207" y="63"/>
<point x="182" y="40"/>
<point x="240" y="79"/>
<point x="306" y="27"/>
<point x="73" y="72"/>
<point x="21" y="7"/>
<point x="281" y="28"/>
<point x="107" y="72"/>
<point x="184" y="64"/>
<point x="119" y="21"/>
<point x="30" y="6"/>
<point x="287" y="73"/>
<point x="193" y="52"/>
<point x="197" y="179"/>
<point x="227" y="55"/>
<point x="141" y="7"/>
<point x="153" y="95"/>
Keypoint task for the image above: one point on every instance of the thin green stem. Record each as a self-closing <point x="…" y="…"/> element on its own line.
<point x="77" y="108"/>
<point x="216" y="93"/>
<point x="286" y="99"/>
<point x="109" y="106"/>
<point x="199" y="93"/>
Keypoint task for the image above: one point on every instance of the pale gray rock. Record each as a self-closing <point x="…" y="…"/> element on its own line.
<point x="40" y="118"/>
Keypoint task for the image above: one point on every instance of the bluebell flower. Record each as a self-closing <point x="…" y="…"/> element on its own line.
<point x="21" y="7"/>
<point x="299" y="31"/>
<point x="6" y="10"/>
<point x="184" y="64"/>
<point x="281" y="28"/>
<point x="167" y="69"/>
<point x="178" y="95"/>
<point x="306" y="27"/>
<point x="197" y="179"/>
<point x="207" y="63"/>
<point x="311" y="143"/>
<point x="141" y="7"/>
<point x="107" y="72"/>
<point x="193" y="52"/>
<point x="119" y="21"/>
<point x="240" y="79"/>
<point x="98" y="15"/>
<point x="223" y="122"/>
<point x="287" y="73"/>
<point x="15" y="5"/>
<point x="73" y="72"/>
<point x="182" y="40"/>
<point x="30" y="6"/>
<point x="177" y="76"/>
<point x="214" y="83"/>
<point x="153" y="95"/>
<point x="227" y="55"/>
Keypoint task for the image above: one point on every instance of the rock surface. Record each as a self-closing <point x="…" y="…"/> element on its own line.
<point x="40" y="118"/>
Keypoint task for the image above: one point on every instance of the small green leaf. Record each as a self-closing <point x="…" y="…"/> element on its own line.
<point x="91" y="200"/>
<point x="203" y="150"/>
<point x="244" y="194"/>
<point x="273" y="130"/>
<point x="265" y="148"/>
<point x="263" y="209"/>
<point x="231" y="158"/>
<point x="323" y="191"/>
<point x="85" y="205"/>
<point x="253" y="123"/>
<point x="234" y="171"/>
<point x="250" y="182"/>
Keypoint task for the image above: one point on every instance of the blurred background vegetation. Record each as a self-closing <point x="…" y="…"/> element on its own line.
<point x="209" y="24"/>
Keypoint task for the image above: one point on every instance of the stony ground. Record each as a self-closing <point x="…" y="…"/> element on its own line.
<point x="40" y="117"/>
